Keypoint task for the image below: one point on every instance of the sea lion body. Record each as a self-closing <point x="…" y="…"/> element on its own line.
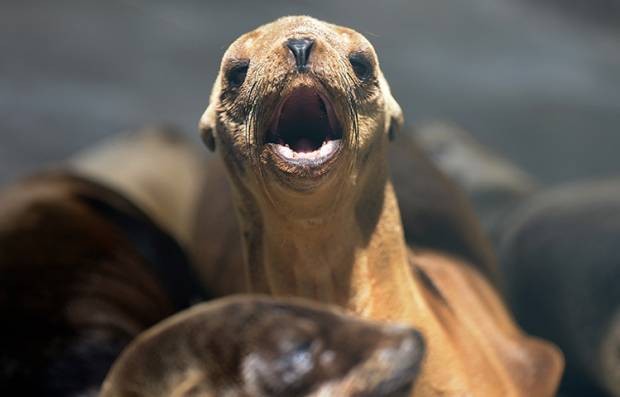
<point x="494" y="185"/>
<point x="74" y="290"/>
<point x="302" y="117"/>
<point x="82" y="271"/>
<point x="158" y="168"/>
<point x="559" y="252"/>
<point x="436" y="214"/>
<point x="261" y="347"/>
<point x="558" y="255"/>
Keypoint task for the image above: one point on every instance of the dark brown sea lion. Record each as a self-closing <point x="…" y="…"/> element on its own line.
<point x="302" y="116"/>
<point x="560" y="254"/>
<point x="82" y="271"/>
<point x="260" y="347"/>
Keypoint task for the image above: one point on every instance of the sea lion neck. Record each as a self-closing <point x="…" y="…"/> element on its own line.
<point x="329" y="259"/>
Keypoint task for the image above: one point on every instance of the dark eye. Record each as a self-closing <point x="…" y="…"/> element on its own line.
<point x="237" y="72"/>
<point x="361" y="65"/>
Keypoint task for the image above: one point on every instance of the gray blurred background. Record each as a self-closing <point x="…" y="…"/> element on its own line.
<point x="538" y="80"/>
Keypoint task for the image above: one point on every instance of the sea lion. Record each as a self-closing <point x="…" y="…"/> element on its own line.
<point x="559" y="252"/>
<point x="260" y="347"/>
<point x="435" y="214"/>
<point x="494" y="184"/>
<point x="302" y="116"/>
<point x="82" y="271"/>
<point x="158" y="168"/>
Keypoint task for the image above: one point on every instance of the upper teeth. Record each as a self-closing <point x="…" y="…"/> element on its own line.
<point x="325" y="150"/>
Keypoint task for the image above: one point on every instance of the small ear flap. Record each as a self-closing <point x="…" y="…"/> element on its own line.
<point x="394" y="112"/>
<point x="208" y="139"/>
<point x="208" y="121"/>
<point x="395" y="125"/>
<point x="207" y="127"/>
<point x="396" y="118"/>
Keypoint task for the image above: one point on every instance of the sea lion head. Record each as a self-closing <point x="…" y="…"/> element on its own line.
<point x="261" y="347"/>
<point x="301" y="103"/>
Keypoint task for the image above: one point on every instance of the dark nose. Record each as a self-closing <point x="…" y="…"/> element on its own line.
<point x="301" y="50"/>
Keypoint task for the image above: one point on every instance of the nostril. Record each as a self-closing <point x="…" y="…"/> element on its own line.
<point x="301" y="51"/>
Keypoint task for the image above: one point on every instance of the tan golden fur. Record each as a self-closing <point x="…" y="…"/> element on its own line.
<point x="156" y="167"/>
<point x="334" y="234"/>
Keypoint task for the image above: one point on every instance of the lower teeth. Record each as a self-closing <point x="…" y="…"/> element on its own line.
<point x="326" y="149"/>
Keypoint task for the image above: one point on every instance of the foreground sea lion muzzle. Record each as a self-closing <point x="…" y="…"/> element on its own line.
<point x="256" y="346"/>
<point x="289" y="101"/>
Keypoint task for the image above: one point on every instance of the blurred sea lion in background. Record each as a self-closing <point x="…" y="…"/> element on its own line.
<point x="302" y="117"/>
<point x="560" y="255"/>
<point x="261" y="347"/>
<point x="493" y="184"/>
<point x="158" y="168"/>
<point x="83" y="269"/>
<point x="435" y="212"/>
<point x="558" y="249"/>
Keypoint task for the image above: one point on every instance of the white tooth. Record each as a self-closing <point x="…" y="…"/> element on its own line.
<point x="324" y="149"/>
<point x="328" y="148"/>
<point x="285" y="151"/>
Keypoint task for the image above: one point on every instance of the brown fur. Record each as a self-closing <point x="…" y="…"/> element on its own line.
<point x="435" y="215"/>
<point x="87" y="259"/>
<point x="74" y="289"/>
<point x="158" y="168"/>
<point x="260" y="347"/>
<point x="334" y="234"/>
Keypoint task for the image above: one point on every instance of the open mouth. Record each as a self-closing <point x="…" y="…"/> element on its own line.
<point x="305" y="129"/>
